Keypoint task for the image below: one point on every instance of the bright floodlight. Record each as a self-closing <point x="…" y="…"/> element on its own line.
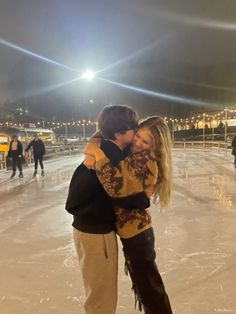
<point x="88" y="75"/>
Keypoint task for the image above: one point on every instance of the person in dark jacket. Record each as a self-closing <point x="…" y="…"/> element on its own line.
<point x="234" y="149"/>
<point x="93" y="214"/>
<point x="38" y="152"/>
<point x="15" y="152"/>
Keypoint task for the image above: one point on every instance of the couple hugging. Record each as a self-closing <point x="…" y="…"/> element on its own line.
<point x="126" y="163"/>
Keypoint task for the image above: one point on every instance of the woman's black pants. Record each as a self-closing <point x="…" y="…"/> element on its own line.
<point x="38" y="159"/>
<point x="140" y="257"/>
<point x="16" y="161"/>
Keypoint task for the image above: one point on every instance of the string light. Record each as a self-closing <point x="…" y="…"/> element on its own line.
<point x="209" y="117"/>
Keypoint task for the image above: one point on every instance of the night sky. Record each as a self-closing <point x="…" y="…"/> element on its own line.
<point x="184" y="49"/>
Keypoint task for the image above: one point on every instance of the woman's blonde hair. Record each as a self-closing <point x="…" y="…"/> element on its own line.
<point x="162" y="152"/>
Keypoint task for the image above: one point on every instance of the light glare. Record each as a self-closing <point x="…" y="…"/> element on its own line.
<point x="88" y="75"/>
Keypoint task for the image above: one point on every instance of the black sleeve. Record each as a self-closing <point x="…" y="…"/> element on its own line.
<point x="136" y="201"/>
<point x="29" y="146"/>
<point x="84" y="188"/>
<point x="43" y="148"/>
<point x="74" y="196"/>
<point x="20" y="148"/>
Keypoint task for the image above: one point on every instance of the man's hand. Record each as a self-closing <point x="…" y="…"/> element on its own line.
<point x="89" y="161"/>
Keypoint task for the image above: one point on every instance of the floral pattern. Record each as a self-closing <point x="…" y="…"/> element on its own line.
<point x="132" y="175"/>
<point x="140" y="218"/>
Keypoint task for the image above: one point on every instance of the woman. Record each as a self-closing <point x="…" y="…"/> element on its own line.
<point x="147" y="168"/>
<point x="15" y="152"/>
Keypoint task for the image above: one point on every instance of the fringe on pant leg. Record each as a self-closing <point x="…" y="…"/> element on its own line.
<point x="137" y="299"/>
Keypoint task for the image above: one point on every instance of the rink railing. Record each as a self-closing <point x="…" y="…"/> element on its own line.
<point x="61" y="149"/>
<point x="69" y="149"/>
<point x="200" y="145"/>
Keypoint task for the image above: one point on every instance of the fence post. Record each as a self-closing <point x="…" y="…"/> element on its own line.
<point x="2" y="160"/>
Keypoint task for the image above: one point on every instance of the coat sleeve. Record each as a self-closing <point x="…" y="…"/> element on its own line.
<point x="43" y="148"/>
<point x="29" y="146"/>
<point x="20" y="148"/>
<point x="132" y="175"/>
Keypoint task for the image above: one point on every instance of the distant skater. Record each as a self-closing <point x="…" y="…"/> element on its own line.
<point x="15" y="152"/>
<point x="38" y="152"/>
<point x="234" y="149"/>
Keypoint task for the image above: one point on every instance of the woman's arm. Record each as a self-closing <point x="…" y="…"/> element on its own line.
<point x="132" y="175"/>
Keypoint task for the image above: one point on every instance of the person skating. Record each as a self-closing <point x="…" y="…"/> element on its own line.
<point x="15" y="152"/>
<point x="234" y="149"/>
<point x="38" y="152"/>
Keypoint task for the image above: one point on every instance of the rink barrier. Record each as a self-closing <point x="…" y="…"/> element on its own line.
<point x="57" y="150"/>
<point x="200" y="145"/>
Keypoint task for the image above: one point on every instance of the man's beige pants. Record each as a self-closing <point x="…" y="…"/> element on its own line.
<point x="98" y="259"/>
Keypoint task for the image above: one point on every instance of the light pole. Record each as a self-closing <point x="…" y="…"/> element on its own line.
<point x="89" y="76"/>
<point x="91" y="102"/>
<point x="66" y="131"/>
<point x="84" y="134"/>
<point x="173" y="130"/>
<point x="203" y="130"/>
<point x="213" y="125"/>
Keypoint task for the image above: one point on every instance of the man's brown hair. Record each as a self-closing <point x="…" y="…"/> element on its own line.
<point x="116" y="118"/>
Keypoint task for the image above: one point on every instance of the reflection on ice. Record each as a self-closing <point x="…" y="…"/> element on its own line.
<point x="223" y="190"/>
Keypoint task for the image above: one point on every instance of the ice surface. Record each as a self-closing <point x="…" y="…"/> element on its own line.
<point x="195" y="240"/>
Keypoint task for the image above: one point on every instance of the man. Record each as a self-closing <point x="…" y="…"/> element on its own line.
<point x="15" y="152"/>
<point x="94" y="220"/>
<point x="38" y="152"/>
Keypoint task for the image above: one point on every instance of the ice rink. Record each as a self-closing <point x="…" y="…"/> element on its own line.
<point x="195" y="240"/>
